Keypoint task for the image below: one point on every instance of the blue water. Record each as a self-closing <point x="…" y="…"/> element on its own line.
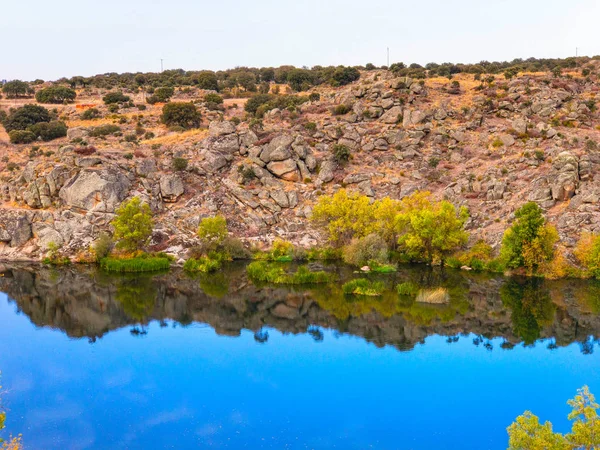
<point x="187" y="387"/>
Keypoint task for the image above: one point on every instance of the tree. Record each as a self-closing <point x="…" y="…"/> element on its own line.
<point x="133" y="225"/>
<point x="527" y="433"/>
<point x="55" y="94"/>
<point x="344" y="75"/>
<point x="115" y="97"/>
<point x="206" y="80"/>
<point x="181" y="114"/>
<point x="212" y="231"/>
<point x="256" y="102"/>
<point x="161" y="95"/>
<point x="300" y="79"/>
<point x="26" y="116"/>
<point x="48" y="131"/>
<point x="529" y="242"/>
<point x="16" y="88"/>
<point x="588" y="253"/>
<point x="431" y="230"/>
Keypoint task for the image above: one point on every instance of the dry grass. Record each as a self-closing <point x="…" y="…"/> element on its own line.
<point x="176" y="138"/>
<point x="438" y="296"/>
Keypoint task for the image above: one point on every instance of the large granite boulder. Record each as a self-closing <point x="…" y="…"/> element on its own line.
<point x="95" y="190"/>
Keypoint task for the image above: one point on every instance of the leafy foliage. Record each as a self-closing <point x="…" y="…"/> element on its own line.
<point x="56" y="95"/>
<point x="16" y="88"/>
<point x="115" y="97"/>
<point x="138" y="264"/>
<point x="362" y="286"/>
<point x="367" y="250"/>
<point x="26" y="116"/>
<point x="161" y="95"/>
<point x="181" y="114"/>
<point x="212" y="232"/>
<point x="527" y="433"/>
<point x="588" y="253"/>
<point x="529" y="242"/>
<point x="133" y="225"/>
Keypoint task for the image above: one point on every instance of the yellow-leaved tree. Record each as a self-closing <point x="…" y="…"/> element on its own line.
<point x="430" y="230"/>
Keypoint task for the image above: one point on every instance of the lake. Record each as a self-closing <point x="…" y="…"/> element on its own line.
<point x="172" y="361"/>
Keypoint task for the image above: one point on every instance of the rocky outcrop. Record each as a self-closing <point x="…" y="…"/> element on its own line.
<point x="171" y="188"/>
<point x="96" y="190"/>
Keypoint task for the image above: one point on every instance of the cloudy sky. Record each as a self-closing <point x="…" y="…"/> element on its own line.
<point x="49" y="39"/>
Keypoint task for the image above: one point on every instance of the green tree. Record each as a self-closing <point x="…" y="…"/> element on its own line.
<point x="300" y="79"/>
<point x="431" y="230"/>
<point x="161" y="95"/>
<point x="55" y="94"/>
<point x="115" y="97"/>
<point x="181" y="114"/>
<point x="133" y="225"/>
<point x="16" y="88"/>
<point x="206" y="80"/>
<point x="48" y="131"/>
<point x="212" y="231"/>
<point x="529" y="242"/>
<point x="26" y="116"/>
<point x="344" y="75"/>
<point x="527" y="433"/>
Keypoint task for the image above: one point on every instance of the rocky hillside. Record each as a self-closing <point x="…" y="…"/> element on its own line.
<point x="490" y="145"/>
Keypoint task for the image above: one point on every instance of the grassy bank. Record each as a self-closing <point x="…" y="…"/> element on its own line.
<point x="135" y="265"/>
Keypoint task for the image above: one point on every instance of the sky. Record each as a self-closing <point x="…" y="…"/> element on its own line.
<point x="51" y="39"/>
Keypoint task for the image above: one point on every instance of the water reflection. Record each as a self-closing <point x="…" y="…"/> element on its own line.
<point x="84" y="303"/>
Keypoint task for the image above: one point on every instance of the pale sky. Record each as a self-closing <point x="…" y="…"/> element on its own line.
<point x="50" y="39"/>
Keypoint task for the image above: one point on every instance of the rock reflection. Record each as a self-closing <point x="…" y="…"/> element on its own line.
<point x="84" y="303"/>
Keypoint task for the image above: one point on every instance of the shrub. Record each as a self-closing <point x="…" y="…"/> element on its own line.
<point x="54" y="257"/>
<point x="314" y="97"/>
<point x="324" y="254"/>
<point x="340" y="110"/>
<point x="256" y="101"/>
<point x="133" y="265"/>
<point x="56" y="94"/>
<point x="105" y="130"/>
<point x="115" y="97"/>
<point x="102" y="246"/>
<point x="433" y="162"/>
<point x="113" y="108"/>
<point x="48" y="131"/>
<point x="362" y="286"/>
<point x="21" y="137"/>
<point x="161" y="95"/>
<point x="587" y="253"/>
<point x="213" y="98"/>
<point x="247" y="173"/>
<point x="344" y="75"/>
<point x="234" y="248"/>
<point x="206" y="80"/>
<point x="180" y="114"/>
<point x="26" y="116"/>
<point x="90" y="114"/>
<point x="362" y="251"/>
<point x="179" y="164"/>
<point x="310" y="126"/>
<point x="212" y="231"/>
<point x="133" y="225"/>
<point x="341" y="153"/>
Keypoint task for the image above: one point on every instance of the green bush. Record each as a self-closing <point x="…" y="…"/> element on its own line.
<point x="267" y="272"/>
<point x="362" y="251"/>
<point x="181" y="114"/>
<point x="340" y="110"/>
<point x="281" y="251"/>
<point x="132" y="265"/>
<point x="90" y="114"/>
<point x="105" y="130"/>
<point x="256" y="101"/>
<point x="314" y="96"/>
<point x="26" y="116"/>
<point x="213" y="98"/>
<point x="341" y="153"/>
<point x="324" y="254"/>
<point x="56" y="95"/>
<point x="115" y="97"/>
<point x="212" y="231"/>
<point x="48" y="131"/>
<point x="102" y="246"/>
<point x="21" y="137"/>
<point x="344" y="75"/>
<point x="179" y="164"/>
<point x="362" y="286"/>
<point x="161" y="95"/>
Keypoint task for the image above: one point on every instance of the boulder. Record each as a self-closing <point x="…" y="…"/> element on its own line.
<point x="77" y="133"/>
<point x="326" y="172"/>
<point x="391" y="115"/>
<point x="565" y="183"/>
<point x="97" y="190"/>
<point x="287" y="169"/>
<point x="171" y="188"/>
<point x="220" y="128"/>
